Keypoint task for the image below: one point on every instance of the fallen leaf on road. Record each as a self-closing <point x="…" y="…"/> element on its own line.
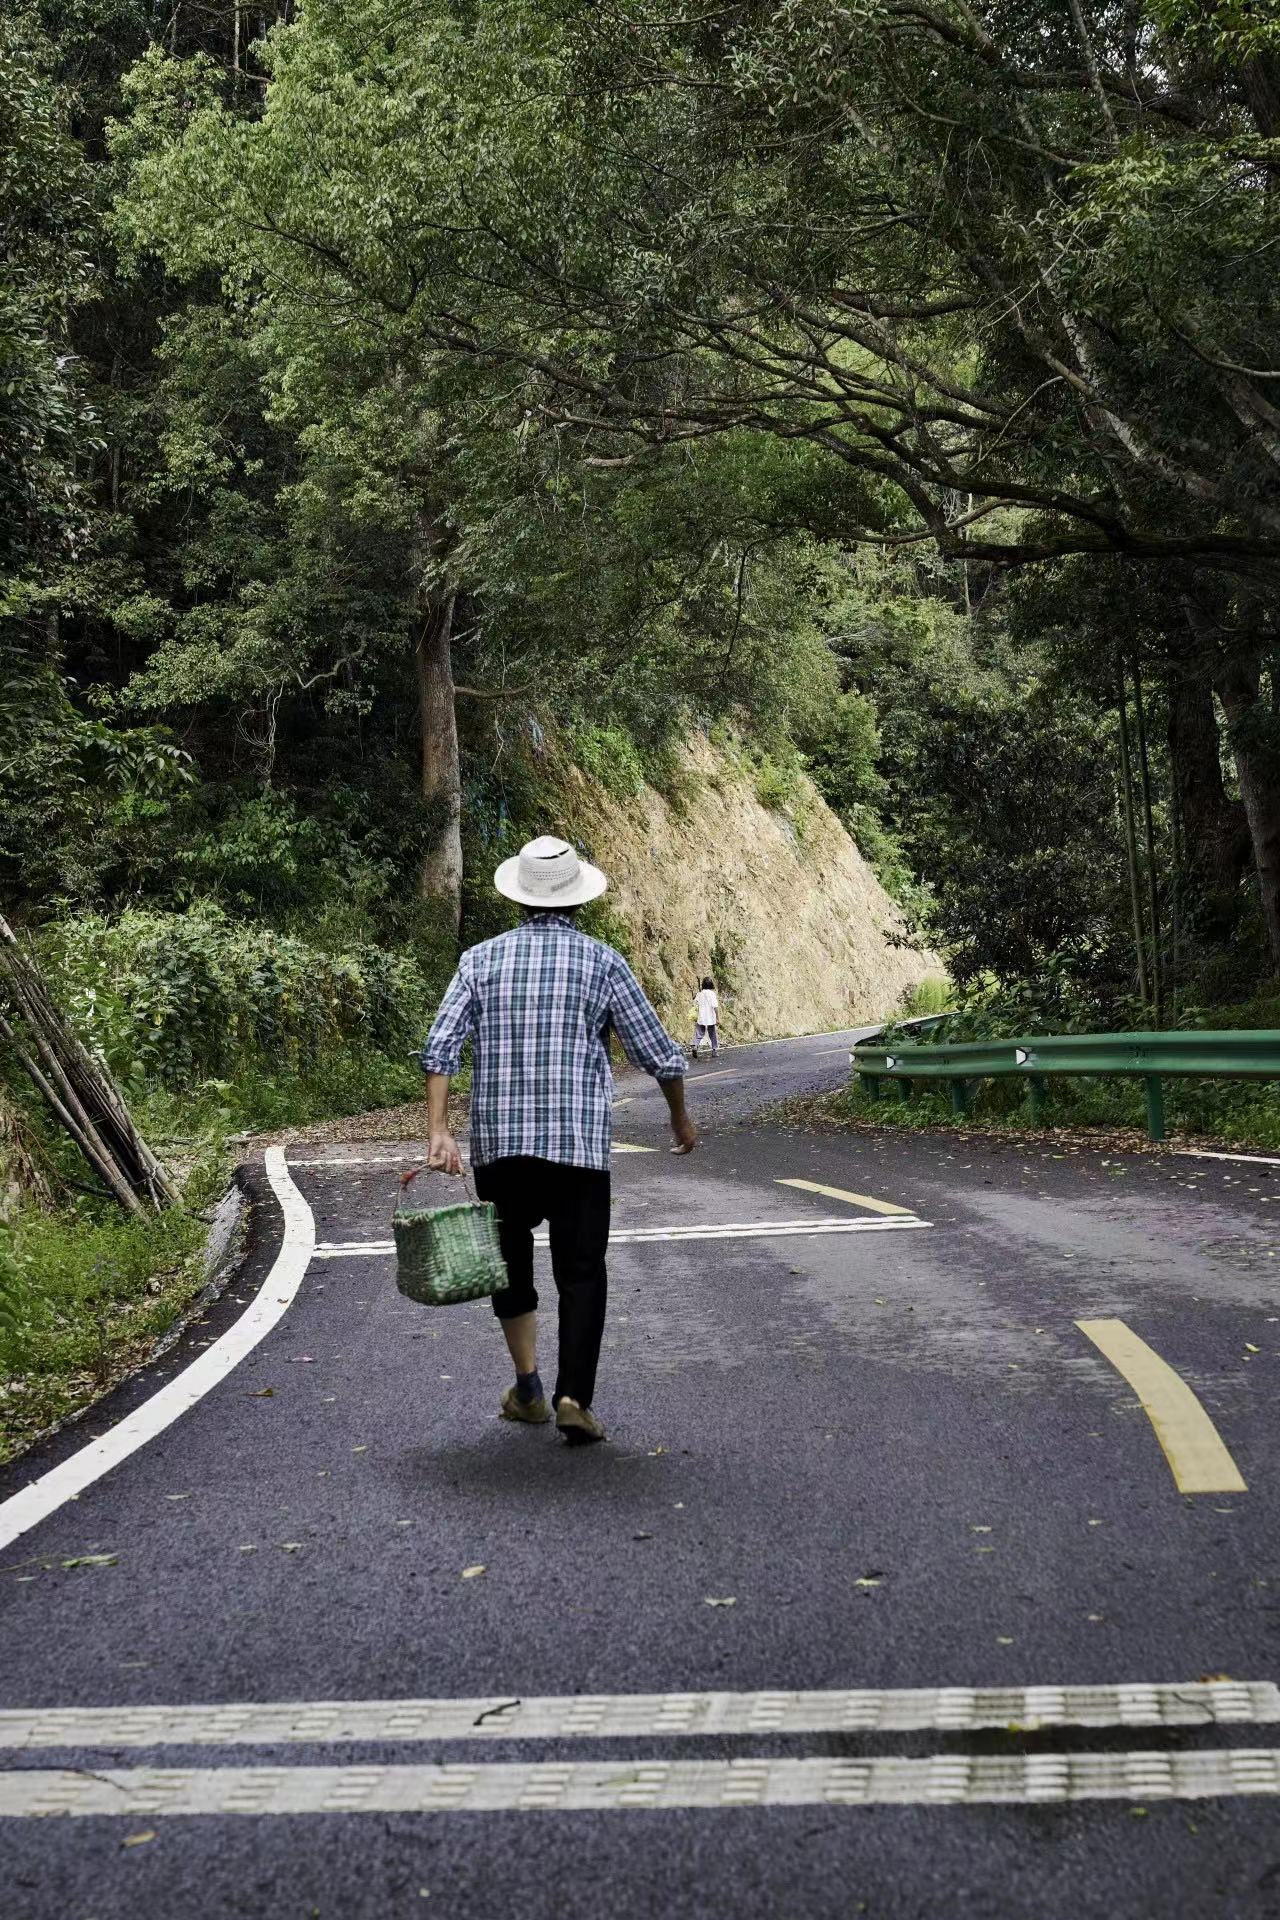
<point x="177" y="1496"/>
<point x="1095" y="1523"/>
<point x="92" y="1560"/>
<point x="473" y="1573"/>
<point x="1209" y="1678"/>
<point x="729" y="1600"/>
<point x="291" y="1546"/>
<point x="1004" y="1640"/>
<point x="642" y="1536"/>
<point x="263" y="1393"/>
<point x="138" y="1839"/>
<point x="302" y="1360"/>
<point x="1249" y="1346"/>
<point x="248" y="1549"/>
<point x="974" y="1529"/>
<point x="359" y="1449"/>
<point x="868" y="1580"/>
<point x="679" y="1505"/>
<point x="655" y="1451"/>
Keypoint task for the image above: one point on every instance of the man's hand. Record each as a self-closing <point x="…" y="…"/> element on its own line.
<point x="682" y="1127"/>
<point x="443" y="1155"/>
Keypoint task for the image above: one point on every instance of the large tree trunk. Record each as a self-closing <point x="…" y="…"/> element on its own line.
<point x="1252" y="736"/>
<point x="1214" y="831"/>
<point x="441" y="770"/>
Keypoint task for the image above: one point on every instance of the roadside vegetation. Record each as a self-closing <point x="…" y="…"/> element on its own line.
<point x="917" y="433"/>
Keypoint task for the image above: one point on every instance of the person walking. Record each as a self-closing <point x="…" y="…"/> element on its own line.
<point x="539" y="1003"/>
<point x="706" y="1016"/>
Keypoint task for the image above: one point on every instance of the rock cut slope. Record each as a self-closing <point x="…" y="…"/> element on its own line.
<point x="781" y="907"/>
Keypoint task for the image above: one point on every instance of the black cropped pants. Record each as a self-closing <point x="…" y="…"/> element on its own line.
<point x="574" y="1201"/>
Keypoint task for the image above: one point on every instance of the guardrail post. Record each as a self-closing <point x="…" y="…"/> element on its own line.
<point x="870" y="1084"/>
<point x="1036" y="1088"/>
<point x="1155" y="1107"/>
<point x="960" y="1097"/>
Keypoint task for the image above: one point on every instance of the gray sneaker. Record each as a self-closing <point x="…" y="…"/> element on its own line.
<point x="578" y="1424"/>
<point x="534" y="1413"/>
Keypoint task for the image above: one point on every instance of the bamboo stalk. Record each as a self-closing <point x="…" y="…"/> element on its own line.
<point x="97" y="1160"/>
<point x="78" y="1087"/>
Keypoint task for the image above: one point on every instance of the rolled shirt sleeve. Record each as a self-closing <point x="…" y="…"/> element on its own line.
<point x="453" y="1026"/>
<point x="645" y="1040"/>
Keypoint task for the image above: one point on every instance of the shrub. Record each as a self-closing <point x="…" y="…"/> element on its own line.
<point x="171" y="997"/>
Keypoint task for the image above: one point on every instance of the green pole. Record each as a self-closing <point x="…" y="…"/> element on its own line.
<point x="960" y="1097"/>
<point x="1036" y="1088"/>
<point x="870" y="1084"/>
<point x="1155" y="1107"/>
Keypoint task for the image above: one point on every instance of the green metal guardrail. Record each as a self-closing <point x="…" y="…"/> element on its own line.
<point x="1149" y="1057"/>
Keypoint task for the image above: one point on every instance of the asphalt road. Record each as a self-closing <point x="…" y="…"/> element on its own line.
<point x="878" y="1453"/>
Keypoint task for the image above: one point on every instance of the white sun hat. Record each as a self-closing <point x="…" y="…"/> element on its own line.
<point x="547" y="873"/>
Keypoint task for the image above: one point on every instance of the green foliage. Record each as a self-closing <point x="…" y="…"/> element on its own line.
<point x="609" y="755"/>
<point x="81" y="1297"/>
<point x="175" y="997"/>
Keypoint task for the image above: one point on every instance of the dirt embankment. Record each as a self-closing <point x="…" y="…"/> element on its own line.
<point x="780" y="906"/>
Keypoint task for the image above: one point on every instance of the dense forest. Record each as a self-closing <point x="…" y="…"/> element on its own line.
<point x="404" y="400"/>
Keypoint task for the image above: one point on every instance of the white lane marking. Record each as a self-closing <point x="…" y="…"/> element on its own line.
<point x="1247" y="1159"/>
<point x="640" y="1236"/>
<point x="625" y="1785"/>
<point x="64" y="1482"/>
<point x="406" y="1159"/>
<point x="643" y="1715"/>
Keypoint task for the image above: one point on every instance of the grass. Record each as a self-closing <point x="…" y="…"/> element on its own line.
<point x="1234" y="1113"/>
<point x="84" y="1295"/>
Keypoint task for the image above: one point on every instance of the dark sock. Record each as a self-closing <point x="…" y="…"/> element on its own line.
<point x="528" y="1387"/>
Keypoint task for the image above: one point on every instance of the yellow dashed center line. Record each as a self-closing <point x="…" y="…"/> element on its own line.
<point x="841" y="1193"/>
<point x="1192" y="1444"/>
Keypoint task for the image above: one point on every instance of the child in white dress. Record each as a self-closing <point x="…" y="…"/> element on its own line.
<point x="706" y="1014"/>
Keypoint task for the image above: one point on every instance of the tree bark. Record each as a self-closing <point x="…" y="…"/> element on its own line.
<point x="441" y="768"/>
<point x="1257" y="754"/>
<point x="1149" y="836"/>
<point x="1131" y="839"/>
<point x="1212" y="825"/>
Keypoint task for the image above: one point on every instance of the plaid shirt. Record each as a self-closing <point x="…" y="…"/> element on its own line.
<point x="539" y="1003"/>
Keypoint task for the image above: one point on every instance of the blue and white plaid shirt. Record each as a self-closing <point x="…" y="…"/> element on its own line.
<point x="539" y="1003"/>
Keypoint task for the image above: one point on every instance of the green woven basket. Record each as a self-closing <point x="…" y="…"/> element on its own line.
<point x="448" y="1254"/>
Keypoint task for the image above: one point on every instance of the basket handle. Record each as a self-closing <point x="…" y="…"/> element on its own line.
<point x="407" y="1179"/>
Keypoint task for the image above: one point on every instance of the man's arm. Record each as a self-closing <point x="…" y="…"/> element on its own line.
<point x="441" y="1058"/>
<point x="443" y="1153"/>
<point x="647" y="1044"/>
<point x="686" y="1134"/>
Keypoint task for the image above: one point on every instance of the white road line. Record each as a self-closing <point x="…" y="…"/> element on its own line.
<point x="64" y="1482"/>
<point x="643" y="1715"/>
<point x="1246" y="1159"/>
<point x="406" y="1159"/>
<point x="643" y="1236"/>
<point x="634" y="1785"/>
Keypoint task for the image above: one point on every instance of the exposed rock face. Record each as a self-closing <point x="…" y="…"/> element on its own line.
<point x="789" y="917"/>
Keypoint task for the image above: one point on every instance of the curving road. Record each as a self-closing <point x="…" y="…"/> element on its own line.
<point x="891" y="1595"/>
